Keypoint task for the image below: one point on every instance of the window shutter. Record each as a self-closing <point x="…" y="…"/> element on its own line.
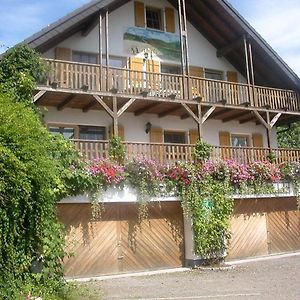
<point x="170" y="19"/>
<point x="194" y="136"/>
<point x="139" y="10"/>
<point x="224" y="138"/>
<point x="63" y="53"/>
<point x="136" y="64"/>
<point x="153" y="66"/>
<point x="156" y="135"/>
<point x="257" y="140"/>
<point x="232" y="76"/>
<point x="196" y="71"/>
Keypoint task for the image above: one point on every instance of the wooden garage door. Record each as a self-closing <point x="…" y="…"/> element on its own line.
<point x="264" y="226"/>
<point x="117" y="243"/>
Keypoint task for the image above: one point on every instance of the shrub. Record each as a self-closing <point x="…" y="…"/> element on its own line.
<point x="34" y="169"/>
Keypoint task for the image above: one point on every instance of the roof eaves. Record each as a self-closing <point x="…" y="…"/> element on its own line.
<point x="70" y="19"/>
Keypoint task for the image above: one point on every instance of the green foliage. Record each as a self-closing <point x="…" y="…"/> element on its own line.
<point x="116" y="150"/>
<point x="34" y="174"/>
<point x="20" y="69"/>
<point x="209" y="204"/>
<point x="289" y="136"/>
<point x="202" y="150"/>
<point x="271" y="157"/>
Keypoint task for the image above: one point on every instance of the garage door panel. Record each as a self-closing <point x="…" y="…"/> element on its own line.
<point x="118" y="243"/>
<point x="284" y="231"/>
<point x="154" y="243"/>
<point x="249" y="236"/>
<point x="93" y="244"/>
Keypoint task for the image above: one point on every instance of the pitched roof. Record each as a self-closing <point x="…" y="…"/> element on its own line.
<point x="217" y="20"/>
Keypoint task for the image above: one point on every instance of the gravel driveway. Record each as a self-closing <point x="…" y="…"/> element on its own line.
<point x="271" y="279"/>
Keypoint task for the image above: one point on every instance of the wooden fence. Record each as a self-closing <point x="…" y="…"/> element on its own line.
<point x="166" y="153"/>
<point x="78" y="76"/>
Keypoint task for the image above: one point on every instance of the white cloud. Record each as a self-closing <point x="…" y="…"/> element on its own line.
<point x="277" y="22"/>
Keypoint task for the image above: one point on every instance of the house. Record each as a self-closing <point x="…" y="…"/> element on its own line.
<point x="161" y="74"/>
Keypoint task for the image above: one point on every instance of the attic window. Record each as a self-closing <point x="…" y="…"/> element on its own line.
<point x="154" y="18"/>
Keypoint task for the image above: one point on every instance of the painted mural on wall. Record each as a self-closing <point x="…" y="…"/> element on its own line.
<point x="165" y="45"/>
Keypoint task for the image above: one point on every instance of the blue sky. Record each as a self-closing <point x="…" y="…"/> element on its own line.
<point x="276" y="20"/>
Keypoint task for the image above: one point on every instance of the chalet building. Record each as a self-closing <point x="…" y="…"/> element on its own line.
<point x="161" y="74"/>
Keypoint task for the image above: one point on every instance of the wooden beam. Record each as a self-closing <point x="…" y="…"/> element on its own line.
<point x="145" y="108"/>
<point x="125" y="107"/>
<point x="90" y="26"/>
<point x="168" y="111"/>
<point x="275" y="119"/>
<point x="237" y="115"/>
<point x="63" y="104"/>
<point x="38" y="96"/>
<point x="230" y="47"/>
<point x="221" y="112"/>
<point x="261" y="119"/>
<point x="191" y="113"/>
<point x="103" y="104"/>
<point x="243" y="121"/>
<point x="207" y="114"/>
<point x="185" y="116"/>
<point x="89" y="106"/>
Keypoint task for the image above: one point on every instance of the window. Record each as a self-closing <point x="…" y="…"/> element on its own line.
<point x="117" y="62"/>
<point x="214" y="74"/>
<point x="239" y="140"/>
<point x="170" y="69"/>
<point x="154" y="18"/>
<point x="67" y="132"/>
<point x="174" y="137"/>
<point x="92" y="133"/>
<point x="89" y="58"/>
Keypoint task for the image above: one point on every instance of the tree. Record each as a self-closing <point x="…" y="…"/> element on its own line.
<point x="289" y="136"/>
<point x="35" y="174"/>
<point x="20" y="68"/>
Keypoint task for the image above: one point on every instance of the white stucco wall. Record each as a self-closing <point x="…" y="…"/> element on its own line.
<point x="201" y="52"/>
<point x="134" y="126"/>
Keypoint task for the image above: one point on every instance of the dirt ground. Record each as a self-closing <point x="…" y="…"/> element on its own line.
<point x="271" y="279"/>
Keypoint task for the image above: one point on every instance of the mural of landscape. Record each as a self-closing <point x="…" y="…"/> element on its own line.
<point x="165" y="45"/>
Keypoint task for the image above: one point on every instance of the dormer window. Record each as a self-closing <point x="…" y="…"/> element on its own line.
<point x="154" y="18"/>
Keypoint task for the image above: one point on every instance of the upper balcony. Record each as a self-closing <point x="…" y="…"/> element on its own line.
<point x="81" y="77"/>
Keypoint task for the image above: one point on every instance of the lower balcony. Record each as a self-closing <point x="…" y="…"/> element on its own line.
<point x="168" y="153"/>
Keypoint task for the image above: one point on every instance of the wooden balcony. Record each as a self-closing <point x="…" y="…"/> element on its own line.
<point x="93" y="78"/>
<point x="168" y="153"/>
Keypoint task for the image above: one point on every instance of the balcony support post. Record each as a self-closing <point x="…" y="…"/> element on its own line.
<point x="100" y="49"/>
<point x="184" y="48"/>
<point x="199" y="124"/>
<point x="106" y="50"/>
<point x="254" y="94"/>
<point x="269" y="133"/>
<point x="115" y="116"/>
<point x="247" y="70"/>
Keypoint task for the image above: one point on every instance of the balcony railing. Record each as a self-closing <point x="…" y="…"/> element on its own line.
<point x="76" y="76"/>
<point x="168" y="153"/>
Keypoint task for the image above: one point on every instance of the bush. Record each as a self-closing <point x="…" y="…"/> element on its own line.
<point x="32" y="180"/>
